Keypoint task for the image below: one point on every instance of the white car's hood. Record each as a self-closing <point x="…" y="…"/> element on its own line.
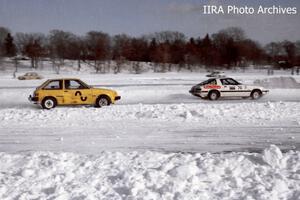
<point x="251" y="87"/>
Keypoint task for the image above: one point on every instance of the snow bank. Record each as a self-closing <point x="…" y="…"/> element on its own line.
<point x="205" y="113"/>
<point x="278" y="82"/>
<point x="150" y="175"/>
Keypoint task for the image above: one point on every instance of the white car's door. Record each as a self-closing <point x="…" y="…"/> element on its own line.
<point x="243" y="90"/>
<point x="232" y="88"/>
<point x="228" y="90"/>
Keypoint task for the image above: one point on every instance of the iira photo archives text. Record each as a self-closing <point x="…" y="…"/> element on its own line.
<point x="248" y="10"/>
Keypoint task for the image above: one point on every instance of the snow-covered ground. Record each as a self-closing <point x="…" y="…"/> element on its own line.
<point x="154" y="143"/>
<point x="151" y="175"/>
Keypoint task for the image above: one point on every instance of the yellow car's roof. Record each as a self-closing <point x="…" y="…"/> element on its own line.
<point x="63" y="78"/>
<point x="52" y="79"/>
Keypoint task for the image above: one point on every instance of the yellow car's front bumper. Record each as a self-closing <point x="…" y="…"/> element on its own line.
<point x="33" y="99"/>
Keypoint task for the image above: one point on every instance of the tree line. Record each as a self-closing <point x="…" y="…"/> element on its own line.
<point x="228" y="48"/>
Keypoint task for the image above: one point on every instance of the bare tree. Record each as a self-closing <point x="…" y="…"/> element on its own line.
<point x="228" y="45"/>
<point x="236" y="33"/>
<point x="191" y="55"/>
<point x="250" y="51"/>
<point x="98" y="47"/>
<point x="164" y="36"/>
<point x="273" y="50"/>
<point x="122" y="47"/>
<point x="78" y="51"/>
<point x="60" y="48"/>
<point x="297" y="44"/>
<point x="136" y="67"/>
<point x="3" y="34"/>
<point x="139" y="49"/>
<point x="290" y="50"/>
<point x="65" y="45"/>
<point x="32" y="45"/>
<point x="120" y="61"/>
<point x="163" y="56"/>
<point x="10" y="51"/>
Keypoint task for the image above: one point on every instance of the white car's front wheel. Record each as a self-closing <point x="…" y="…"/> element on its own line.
<point x="256" y="94"/>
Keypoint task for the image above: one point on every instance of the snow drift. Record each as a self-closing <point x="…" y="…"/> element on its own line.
<point x="233" y="114"/>
<point x="278" y="82"/>
<point x="151" y="175"/>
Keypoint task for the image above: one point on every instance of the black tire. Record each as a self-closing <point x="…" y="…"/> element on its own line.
<point x="49" y="103"/>
<point x="213" y="95"/>
<point x="103" y="100"/>
<point x="256" y="94"/>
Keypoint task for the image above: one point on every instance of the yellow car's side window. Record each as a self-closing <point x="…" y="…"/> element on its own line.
<point x="54" y="85"/>
<point x="74" y="84"/>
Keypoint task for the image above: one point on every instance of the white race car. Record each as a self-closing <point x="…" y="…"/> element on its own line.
<point x="226" y="87"/>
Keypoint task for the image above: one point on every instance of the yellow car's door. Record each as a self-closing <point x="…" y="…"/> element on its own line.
<point x="76" y="92"/>
<point x="54" y="88"/>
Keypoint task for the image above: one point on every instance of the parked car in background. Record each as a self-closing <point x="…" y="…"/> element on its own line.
<point x="216" y="74"/>
<point x="71" y="91"/>
<point x="30" y="76"/>
<point x="215" y="88"/>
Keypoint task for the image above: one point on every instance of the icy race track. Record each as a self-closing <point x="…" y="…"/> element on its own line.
<point x="158" y="142"/>
<point x="156" y="112"/>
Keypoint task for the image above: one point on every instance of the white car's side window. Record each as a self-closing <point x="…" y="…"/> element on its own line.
<point x="214" y="82"/>
<point x="224" y="82"/>
<point x="229" y="81"/>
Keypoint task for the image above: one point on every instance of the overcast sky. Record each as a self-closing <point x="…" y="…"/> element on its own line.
<point x="137" y="17"/>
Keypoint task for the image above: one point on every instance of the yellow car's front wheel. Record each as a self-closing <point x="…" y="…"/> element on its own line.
<point x="103" y="100"/>
<point x="49" y="103"/>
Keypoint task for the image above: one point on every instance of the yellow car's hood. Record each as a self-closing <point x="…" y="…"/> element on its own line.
<point x="104" y="90"/>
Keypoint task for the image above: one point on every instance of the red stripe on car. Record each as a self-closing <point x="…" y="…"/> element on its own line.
<point x="212" y="87"/>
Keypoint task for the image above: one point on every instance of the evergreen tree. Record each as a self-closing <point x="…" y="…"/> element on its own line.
<point x="10" y="47"/>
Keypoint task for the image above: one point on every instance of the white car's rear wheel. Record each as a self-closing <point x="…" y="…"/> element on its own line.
<point x="213" y="95"/>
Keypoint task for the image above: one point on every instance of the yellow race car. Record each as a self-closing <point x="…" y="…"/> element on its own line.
<point x="71" y="91"/>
